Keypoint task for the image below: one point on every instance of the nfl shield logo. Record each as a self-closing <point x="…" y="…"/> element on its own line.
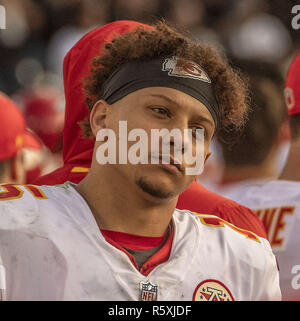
<point x="148" y="291"/>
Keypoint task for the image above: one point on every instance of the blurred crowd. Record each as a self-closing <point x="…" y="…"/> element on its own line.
<point x="256" y="35"/>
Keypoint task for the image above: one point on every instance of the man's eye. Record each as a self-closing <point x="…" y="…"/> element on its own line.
<point x="161" y="111"/>
<point x="200" y="130"/>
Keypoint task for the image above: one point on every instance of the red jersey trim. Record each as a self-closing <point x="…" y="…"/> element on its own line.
<point x="134" y="242"/>
<point x="159" y="257"/>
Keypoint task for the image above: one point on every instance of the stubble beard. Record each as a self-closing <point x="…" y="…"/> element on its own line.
<point x="153" y="190"/>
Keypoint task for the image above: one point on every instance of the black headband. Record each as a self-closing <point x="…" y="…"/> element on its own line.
<point x="174" y="72"/>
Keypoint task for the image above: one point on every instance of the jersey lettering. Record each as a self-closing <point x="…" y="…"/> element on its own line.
<point x="218" y="222"/>
<point x="10" y="192"/>
<point x="273" y="220"/>
<point x="35" y="191"/>
<point x="14" y="191"/>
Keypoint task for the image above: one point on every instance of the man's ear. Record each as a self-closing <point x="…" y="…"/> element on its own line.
<point x="98" y="116"/>
<point x="207" y="156"/>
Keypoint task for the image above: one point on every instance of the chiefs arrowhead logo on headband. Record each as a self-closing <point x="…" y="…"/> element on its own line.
<point x="179" y="67"/>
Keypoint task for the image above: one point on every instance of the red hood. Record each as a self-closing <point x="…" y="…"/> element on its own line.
<point x="77" y="65"/>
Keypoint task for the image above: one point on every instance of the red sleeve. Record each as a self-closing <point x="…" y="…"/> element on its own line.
<point x="242" y="217"/>
<point x="68" y="172"/>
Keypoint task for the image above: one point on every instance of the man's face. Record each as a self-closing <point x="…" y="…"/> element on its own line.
<point x="156" y="108"/>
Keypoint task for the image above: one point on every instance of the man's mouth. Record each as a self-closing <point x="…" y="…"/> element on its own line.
<point x="169" y="162"/>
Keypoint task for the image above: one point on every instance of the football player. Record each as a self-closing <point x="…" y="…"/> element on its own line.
<point x="13" y="139"/>
<point x="117" y="234"/>
<point x="77" y="151"/>
<point x="277" y="202"/>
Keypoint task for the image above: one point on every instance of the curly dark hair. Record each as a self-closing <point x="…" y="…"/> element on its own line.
<point x="163" y="40"/>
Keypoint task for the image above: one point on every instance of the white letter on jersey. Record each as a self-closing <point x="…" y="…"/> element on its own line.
<point x="296" y="279"/>
<point x="296" y="19"/>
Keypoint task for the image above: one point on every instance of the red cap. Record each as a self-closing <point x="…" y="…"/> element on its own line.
<point x="14" y="134"/>
<point x="292" y="87"/>
<point x="45" y="116"/>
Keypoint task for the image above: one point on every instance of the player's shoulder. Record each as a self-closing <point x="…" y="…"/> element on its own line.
<point x="225" y="232"/>
<point x="14" y="195"/>
<point x="240" y="244"/>
<point x="22" y="205"/>
<point x="229" y="241"/>
<point x="276" y="187"/>
<point x="27" y="193"/>
<point x="271" y="191"/>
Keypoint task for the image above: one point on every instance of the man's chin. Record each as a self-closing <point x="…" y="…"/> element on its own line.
<point x="158" y="190"/>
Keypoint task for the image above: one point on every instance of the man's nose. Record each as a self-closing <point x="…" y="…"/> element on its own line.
<point x="178" y="141"/>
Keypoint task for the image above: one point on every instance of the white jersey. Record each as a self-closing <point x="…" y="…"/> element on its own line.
<point x="277" y="203"/>
<point x="52" y="249"/>
<point x="233" y="190"/>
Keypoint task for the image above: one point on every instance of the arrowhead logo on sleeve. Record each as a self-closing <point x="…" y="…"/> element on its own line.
<point x="179" y="67"/>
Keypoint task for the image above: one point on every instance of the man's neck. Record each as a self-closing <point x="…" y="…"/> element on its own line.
<point x="117" y="206"/>
<point x="234" y="174"/>
<point x="291" y="170"/>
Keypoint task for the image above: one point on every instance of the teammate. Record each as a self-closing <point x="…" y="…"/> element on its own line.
<point x="14" y="137"/>
<point x="292" y="100"/>
<point x="251" y="157"/>
<point x="117" y="235"/>
<point x="77" y="152"/>
<point x="43" y="109"/>
<point x="277" y="202"/>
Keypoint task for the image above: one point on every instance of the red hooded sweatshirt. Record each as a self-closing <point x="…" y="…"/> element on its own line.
<point x="77" y="151"/>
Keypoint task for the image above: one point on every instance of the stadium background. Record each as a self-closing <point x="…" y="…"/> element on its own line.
<point x="39" y="33"/>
